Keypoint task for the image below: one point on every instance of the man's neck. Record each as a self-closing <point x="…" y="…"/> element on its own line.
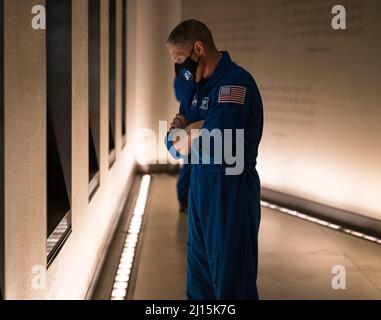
<point x="211" y="64"/>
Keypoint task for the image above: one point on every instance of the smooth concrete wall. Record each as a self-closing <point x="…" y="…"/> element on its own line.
<point x="1" y="150"/>
<point x="25" y="152"/>
<point x="154" y="78"/>
<point x="321" y="93"/>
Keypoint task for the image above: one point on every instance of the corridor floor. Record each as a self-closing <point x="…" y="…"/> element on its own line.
<point x="295" y="261"/>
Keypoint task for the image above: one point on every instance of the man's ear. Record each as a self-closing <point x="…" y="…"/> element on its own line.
<point x="199" y="48"/>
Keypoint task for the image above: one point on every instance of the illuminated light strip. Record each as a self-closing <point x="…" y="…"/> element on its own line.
<point x="123" y="273"/>
<point x="320" y="222"/>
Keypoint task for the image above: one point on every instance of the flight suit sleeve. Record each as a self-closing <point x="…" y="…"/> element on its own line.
<point x="182" y="109"/>
<point x="192" y="116"/>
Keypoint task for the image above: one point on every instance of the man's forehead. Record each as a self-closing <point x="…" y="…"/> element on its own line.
<point x="178" y="52"/>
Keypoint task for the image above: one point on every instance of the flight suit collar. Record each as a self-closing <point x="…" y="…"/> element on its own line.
<point x="220" y="70"/>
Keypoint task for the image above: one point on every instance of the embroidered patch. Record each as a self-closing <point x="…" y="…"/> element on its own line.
<point x="194" y="101"/>
<point x="232" y="94"/>
<point x="205" y="103"/>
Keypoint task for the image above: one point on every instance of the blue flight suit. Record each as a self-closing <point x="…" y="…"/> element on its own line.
<point x="224" y="210"/>
<point x="183" y="182"/>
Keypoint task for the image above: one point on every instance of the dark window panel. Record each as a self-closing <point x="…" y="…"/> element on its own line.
<point x="59" y="86"/>
<point x="124" y="71"/>
<point x="112" y="79"/>
<point x="58" y="200"/>
<point x="94" y="95"/>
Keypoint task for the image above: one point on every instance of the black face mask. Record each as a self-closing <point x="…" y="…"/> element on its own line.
<point x="187" y="70"/>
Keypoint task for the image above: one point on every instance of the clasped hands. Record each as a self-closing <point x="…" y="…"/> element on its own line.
<point x="181" y="122"/>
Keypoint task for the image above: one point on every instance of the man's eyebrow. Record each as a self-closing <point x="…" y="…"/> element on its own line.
<point x="178" y="59"/>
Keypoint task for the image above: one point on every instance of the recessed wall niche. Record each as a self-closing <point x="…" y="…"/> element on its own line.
<point x="59" y="104"/>
<point x="112" y="80"/>
<point x="94" y="95"/>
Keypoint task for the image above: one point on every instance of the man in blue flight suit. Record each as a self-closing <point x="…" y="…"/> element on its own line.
<point x="181" y="87"/>
<point x="224" y="209"/>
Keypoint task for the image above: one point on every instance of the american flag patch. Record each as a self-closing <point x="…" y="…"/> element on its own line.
<point x="232" y="94"/>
